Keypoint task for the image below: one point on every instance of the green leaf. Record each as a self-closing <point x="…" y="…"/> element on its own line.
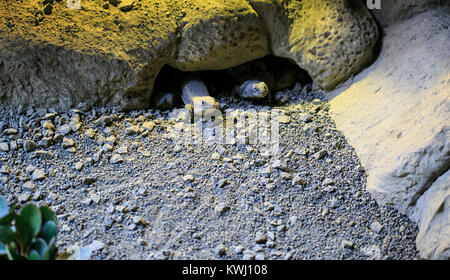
<point x="3" y="207"/>
<point x="11" y="252"/>
<point x="48" y="231"/>
<point x="13" y="205"/>
<point x="41" y="247"/>
<point x="28" y="224"/>
<point x="7" y="219"/>
<point x="10" y="216"/>
<point x="34" y="256"/>
<point x="52" y="250"/>
<point x="47" y="215"/>
<point x="6" y="235"/>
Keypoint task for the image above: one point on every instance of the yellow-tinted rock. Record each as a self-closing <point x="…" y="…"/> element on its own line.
<point x="331" y="40"/>
<point x="220" y="34"/>
<point x="110" y="57"/>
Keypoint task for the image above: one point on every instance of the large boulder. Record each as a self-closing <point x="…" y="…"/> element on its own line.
<point x="396" y="115"/>
<point x="331" y="40"/>
<point x="216" y="35"/>
<point x="106" y="54"/>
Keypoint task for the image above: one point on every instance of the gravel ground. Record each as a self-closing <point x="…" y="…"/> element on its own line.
<point x="122" y="183"/>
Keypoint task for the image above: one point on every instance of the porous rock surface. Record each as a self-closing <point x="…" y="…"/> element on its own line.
<point x="396" y="115"/>
<point x="107" y="55"/>
<point x="331" y="40"/>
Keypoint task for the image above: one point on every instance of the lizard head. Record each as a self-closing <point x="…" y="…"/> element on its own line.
<point x="254" y="90"/>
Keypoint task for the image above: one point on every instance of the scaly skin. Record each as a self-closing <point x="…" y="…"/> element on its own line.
<point x="255" y="80"/>
<point x="253" y="89"/>
<point x="192" y="86"/>
<point x="196" y="98"/>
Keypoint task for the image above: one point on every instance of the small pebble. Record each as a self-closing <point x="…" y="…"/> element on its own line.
<point x="4" y="147"/>
<point x="29" y="145"/>
<point x="29" y="185"/>
<point x="132" y="130"/>
<point x="221" y="250"/>
<point x="64" y="129"/>
<point x="88" y="181"/>
<point x="188" y="178"/>
<point x="327" y="181"/>
<point x="78" y="166"/>
<point x="376" y="227"/>
<point x="347" y="244"/>
<point x="149" y="126"/>
<point x="260" y="238"/>
<point x="216" y="156"/>
<point x="95" y="198"/>
<point x="260" y="257"/>
<point x="116" y="158"/>
<point x="238" y="249"/>
<point x="122" y="150"/>
<point x="67" y="143"/>
<point x="221" y="208"/>
<point x="38" y="175"/>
